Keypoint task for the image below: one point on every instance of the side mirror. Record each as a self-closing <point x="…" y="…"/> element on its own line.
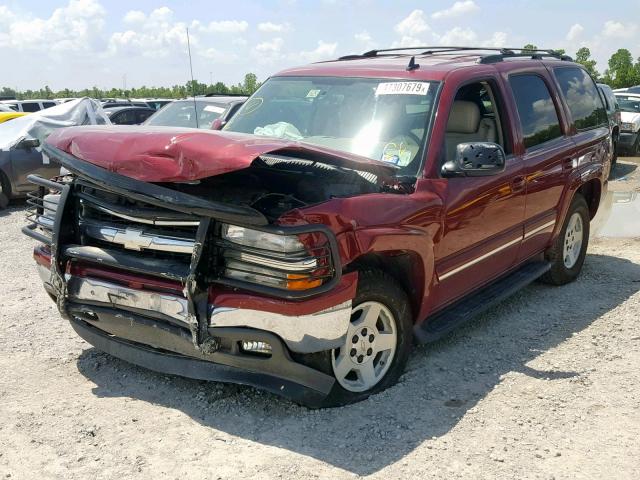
<point x="28" y="143"/>
<point x="476" y="159"/>
<point x="217" y="124"/>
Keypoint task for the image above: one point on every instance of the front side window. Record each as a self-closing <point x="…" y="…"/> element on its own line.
<point x="379" y="119"/>
<point x="473" y="118"/>
<point x="581" y="95"/>
<point x="537" y="112"/>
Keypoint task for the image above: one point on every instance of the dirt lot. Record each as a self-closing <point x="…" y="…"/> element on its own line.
<point x="546" y="385"/>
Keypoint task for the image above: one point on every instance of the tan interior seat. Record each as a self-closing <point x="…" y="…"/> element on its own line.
<point x="466" y="125"/>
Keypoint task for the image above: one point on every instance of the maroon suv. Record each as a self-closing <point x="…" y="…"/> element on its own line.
<point x="348" y="209"/>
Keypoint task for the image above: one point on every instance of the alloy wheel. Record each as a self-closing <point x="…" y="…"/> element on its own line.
<point x="369" y="348"/>
<point x="572" y="240"/>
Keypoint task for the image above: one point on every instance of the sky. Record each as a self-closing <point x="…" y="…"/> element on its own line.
<point x="112" y="43"/>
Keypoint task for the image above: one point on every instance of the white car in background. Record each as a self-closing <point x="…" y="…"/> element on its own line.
<point x="29" y="106"/>
<point x="629" y="140"/>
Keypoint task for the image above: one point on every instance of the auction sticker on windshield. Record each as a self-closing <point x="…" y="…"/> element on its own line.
<point x="402" y="88"/>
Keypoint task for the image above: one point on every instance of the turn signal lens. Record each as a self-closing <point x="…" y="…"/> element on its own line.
<point x="301" y="282"/>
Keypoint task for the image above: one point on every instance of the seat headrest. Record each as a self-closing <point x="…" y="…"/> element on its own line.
<point x="464" y="117"/>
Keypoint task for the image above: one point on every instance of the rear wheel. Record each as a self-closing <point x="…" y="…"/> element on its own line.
<point x="570" y="248"/>
<point x="5" y="191"/>
<point x="378" y="341"/>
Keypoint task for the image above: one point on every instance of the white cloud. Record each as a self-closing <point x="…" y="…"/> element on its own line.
<point x="498" y="39"/>
<point x="155" y="35"/>
<point x="457" y="9"/>
<point x="574" y="32"/>
<point x="218" y="56"/>
<point x="76" y="27"/>
<point x="459" y="36"/>
<point x="615" y="29"/>
<point x="269" y="27"/>
<point x="324" y="51"/>
<point x="271" y="46"/>
<point x="227" y="26"/>
<point x="363" y="38"/>
<point x="413" y="24"/>
<point x="135" y="16"/>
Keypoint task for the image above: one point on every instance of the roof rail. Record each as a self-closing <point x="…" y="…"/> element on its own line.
<point x="492" y="58"/>
<point x="226" y="95"/>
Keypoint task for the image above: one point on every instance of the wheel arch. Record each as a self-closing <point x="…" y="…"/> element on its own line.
<point x="405" y="266"/>
<point x="592" y="193"/>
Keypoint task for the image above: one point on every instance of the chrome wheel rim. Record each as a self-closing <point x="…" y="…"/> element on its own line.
<point x="369" y="347"/>
<point x="573" y="237"/>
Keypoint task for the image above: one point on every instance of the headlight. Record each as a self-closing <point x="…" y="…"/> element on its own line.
<point x="629" y="127"/>
<point x="272" y="260"/>
<point x="262" y="240"/>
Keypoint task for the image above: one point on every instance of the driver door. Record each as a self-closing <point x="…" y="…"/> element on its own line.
<point x="483" y="217"/>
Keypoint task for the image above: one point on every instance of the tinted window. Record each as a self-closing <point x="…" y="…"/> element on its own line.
<point x="30" y="107"/>
<point x="143" y="115"/>
<point x="48" y="104"/>
<point x="582" y="97"/>
<point x="606" y="100"/>
<point x="537" y="112"/>
<point x="127" y="117"/>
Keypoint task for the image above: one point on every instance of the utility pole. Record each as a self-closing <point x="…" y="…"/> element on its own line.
<point x="210" y="78"/>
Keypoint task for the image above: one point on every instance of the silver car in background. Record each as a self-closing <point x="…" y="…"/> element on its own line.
<point x="20" y="140"/>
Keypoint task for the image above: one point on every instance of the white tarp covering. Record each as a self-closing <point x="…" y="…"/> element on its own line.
<point x="83" y="111"/>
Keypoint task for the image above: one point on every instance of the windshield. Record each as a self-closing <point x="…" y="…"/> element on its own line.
<point x="628" y="104"/>
<point x="182" y="114"/>
<point x="380" y="119"/>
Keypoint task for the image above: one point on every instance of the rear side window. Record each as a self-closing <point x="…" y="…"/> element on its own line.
<point x="48" y="104"/>
<point x="537" y="112"/>
<point x="582" y="97"/>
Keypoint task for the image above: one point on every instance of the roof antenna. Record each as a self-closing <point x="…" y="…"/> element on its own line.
<point x="412" y="64"/>
<point x="193" y="83"/>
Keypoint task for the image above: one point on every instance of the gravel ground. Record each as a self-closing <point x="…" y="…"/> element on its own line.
<point x="546" y="385"/>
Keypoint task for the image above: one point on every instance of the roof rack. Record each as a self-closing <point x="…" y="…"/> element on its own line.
<point x="501" y="54"/>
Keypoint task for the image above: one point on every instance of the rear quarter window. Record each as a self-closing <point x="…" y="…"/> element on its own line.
<point x="581" y="95"/>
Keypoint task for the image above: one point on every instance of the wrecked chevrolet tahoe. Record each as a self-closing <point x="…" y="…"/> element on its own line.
<point x="348" y="210"/>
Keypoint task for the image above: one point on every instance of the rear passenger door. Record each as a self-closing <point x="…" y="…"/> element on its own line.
<point x="546" y="153"/>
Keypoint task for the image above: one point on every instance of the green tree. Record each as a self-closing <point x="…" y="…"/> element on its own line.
<point x="250" y="84"/>
<point x="530" y="46"/>
<point x="583" y="57"/>
<point x="622" y="72"/>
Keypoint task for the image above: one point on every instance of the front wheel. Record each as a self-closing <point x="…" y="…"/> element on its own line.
<point x="570" y="248"/>
<point x="378" y="340"/>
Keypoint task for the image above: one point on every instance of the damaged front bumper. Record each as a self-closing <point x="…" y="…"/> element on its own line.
<point x="168" y="316"/>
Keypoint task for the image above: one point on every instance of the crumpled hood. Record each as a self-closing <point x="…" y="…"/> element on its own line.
<point x="630" y="117"/>
<point x="169" y="154"/>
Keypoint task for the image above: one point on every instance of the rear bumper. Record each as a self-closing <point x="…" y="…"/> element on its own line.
<point x="277" y="374"/>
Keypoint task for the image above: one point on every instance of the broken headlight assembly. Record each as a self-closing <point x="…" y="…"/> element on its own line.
<point x="273" y="260"/>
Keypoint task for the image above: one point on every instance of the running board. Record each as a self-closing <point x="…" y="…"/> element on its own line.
<point x="476" y="303"/>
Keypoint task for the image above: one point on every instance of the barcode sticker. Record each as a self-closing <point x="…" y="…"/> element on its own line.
<point x="403" y="88"/>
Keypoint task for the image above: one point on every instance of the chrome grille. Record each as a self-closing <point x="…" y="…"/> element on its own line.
<point x="113" y="221"/>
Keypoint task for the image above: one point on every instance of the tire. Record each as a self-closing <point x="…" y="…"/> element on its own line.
<point x="614" y="158"/>
<point x="375" y="290"/>
<point x="566" y="255"/>
<point x="5" y="191"/>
